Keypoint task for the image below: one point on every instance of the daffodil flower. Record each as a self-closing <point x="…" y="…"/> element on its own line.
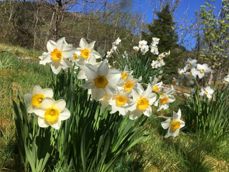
<point x="157" y="87"/>
<point x="165" y="98"/>
<point x="201" y="70"/>
<point x="87" y="54"/>
<point x="101" y="80"/>
<point x="120" y="102"/>
<point x="157" y="63"/>
<point x="142" y="101"/>
<point x="125" y="74"/>
<point x="129" y="84"/>
<point x="58" y="55"/>
<point x="173" y="124"/>
<point x="51" y="113"/>
<point x="34" y="99"/>
<point x="207" y="91"/>
<point x="153" y="46"/>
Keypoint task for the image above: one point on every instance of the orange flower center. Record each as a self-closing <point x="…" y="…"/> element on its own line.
<point x="142" y="104"/>
<point x="37" y="100"/>
<point x="56" y="55"/>
<point x="155" y="89"/>
<point x="51" y="115"/>
<point x="128" y="85"/>
<point x="174" y="125"/>
<point x="85" y="53"/>
<point x="164" y="100"/>
<point x="120" y="100"/>
<point x="101" y="81"/>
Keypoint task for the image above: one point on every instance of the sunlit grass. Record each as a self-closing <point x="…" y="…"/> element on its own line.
<point x="17" y="75"/>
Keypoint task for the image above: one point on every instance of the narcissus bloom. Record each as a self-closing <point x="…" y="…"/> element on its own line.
<point x="157" y="87"/>
<point x="173" y="124"/>
<point x="117" y="41"/>
<point x="126" y="74"/>
<point x="165" y="98"/>
<point x="101" y="80"/>
<point x="142" y="101"/>
<point x="34" y="99"/>
<point x="87" y="52"/>
<point x="136" y="48"/>
<point x="157" y="63"/>
<point x="120" y="102"/>
<point x="58" y="55"/>
<point x="191" y="63"/>
<point x="207" y="91"/>
<point x="129" y="84"/>
<point x="51" y="113"/>
<point x="153" y="46"/>
<point x="201" y="70"/>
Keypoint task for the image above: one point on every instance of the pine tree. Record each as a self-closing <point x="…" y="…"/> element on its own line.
<point x="164" y="28"/>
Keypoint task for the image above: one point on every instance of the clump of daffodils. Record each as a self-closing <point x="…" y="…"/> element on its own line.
<point x="173" y="124"/>
<point x="194" y="70"/>
<point x="143" y="46"/>
<point x="159" y="62"/>
<point x="48" y="111"/>
<point x="114" y="47"/>
<point x="117" y="90"/>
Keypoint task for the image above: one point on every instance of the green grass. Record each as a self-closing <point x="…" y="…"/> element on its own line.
<point x="188" y="152"/>
<point x="17" y="75"/>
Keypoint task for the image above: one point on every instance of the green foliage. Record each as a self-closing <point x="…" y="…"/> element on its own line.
<point x="139" y="64"/>
<point x="33" y="143"/>
<point x="208" y="117"/>
<point x="94" y="140"/>
<point x="215" y="36"/>
<point x="91" y="140"/>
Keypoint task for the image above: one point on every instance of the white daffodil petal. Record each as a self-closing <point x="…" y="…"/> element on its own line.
<point x="60" y="43"/>
<point x="65" y="114"/>
<point x="36" y="89"/>
<point x="39" y="112"/>
<point x="47" y="103"/>
<point x="103" y="68"/>
<point x="48" y="92"/>
<point x="56" y="125"/>
<point x="60" y="104"/>
<point x="83" y="43"/>
<point x="90" y="72"/>
<point x="91" y="45"/>
<point x="55" y="70"/>
<point x="96" y="54"/>
<point x="41" y="123"/>
<point x="97" y="93"/>
<point x="51" y="45"/>
<point x="165" y="124"/>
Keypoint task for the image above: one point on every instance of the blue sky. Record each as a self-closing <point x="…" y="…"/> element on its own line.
<point x="184" y="15"/>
